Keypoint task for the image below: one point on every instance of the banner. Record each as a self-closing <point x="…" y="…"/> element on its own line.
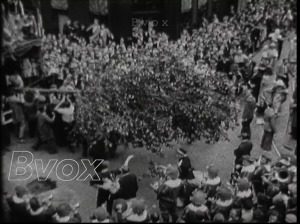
<point x="59" y="4"/>
<point x="98" y="7"/>
<point x="186" y="5"/>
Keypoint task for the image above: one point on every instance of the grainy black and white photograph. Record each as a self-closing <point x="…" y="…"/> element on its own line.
<point x="149" y="111"/>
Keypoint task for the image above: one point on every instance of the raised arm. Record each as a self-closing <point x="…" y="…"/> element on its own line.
<point x="60" y="103"/>
<point x="90" y="27"/>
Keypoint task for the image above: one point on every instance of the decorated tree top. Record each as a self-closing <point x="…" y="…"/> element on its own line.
<point x="156" y="100"/>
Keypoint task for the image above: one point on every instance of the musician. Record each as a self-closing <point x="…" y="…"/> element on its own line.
<point x="196" y="211"/>
<point x="17" y="204"/>
<point x="100" y="215"/>
<point x="65" y="214"/>
<point x="223" y="203"/>
<point x="126" y="187"/>
<point x="139" y="212"/>
<point x="39" y="213"/>
<point x="184" y="165"/>
<point x="123" y="209"/>
<point x="263" y="167"/>
<point x="244" y="148"/>
<point x="212" y="182"/>
<point x="167" y="194"/>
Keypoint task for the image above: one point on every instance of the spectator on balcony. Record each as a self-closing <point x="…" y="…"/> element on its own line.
<point x="67" y="28"/>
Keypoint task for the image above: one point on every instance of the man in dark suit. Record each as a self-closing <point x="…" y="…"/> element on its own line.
<point x="243" y="149"/>
<point x="105" y="177"/>
<point x="67" y="28"/>
<point x="184" y="165"/>
<point x="126" y="189"/>
<point x="248" y="70"/>
<point x="223" y="65"/>
<point x="255" y="36"/>
<point x="248" y="112"/>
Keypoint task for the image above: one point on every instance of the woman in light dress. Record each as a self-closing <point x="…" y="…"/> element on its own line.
<point x="95" y="27"/>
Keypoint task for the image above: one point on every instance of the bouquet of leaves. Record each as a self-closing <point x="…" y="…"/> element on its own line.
<point x="154" y="104"/>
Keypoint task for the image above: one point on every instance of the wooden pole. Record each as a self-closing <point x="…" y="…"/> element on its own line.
<point x="194" y="14"/>
<point x="47" y="90"/>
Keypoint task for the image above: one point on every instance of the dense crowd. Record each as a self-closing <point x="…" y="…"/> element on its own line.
<point x="259" y="190"/>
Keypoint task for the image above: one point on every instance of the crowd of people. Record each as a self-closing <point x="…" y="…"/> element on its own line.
<point x="259" y="190"/>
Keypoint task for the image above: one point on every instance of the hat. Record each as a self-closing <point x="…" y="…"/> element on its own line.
<point x="120" y="202"/>
<point x="172" y="172"/>
<point x="154" y="215"/>
<point x="224" y="193"/>
<point x="239" y="51"/>
<point x="272" y="44"/>
<point x="53" y="86"/>
<point x="290" y="218"/>
<point x="219" y="218"/>
<point x="212" y="171"/>
<point x="42" y="99"/>
<point x="100" y="214"/>
<point x="247" y="204"/>
<point x="63" y="210"/>
<point x="242" y="184"/>
<point x="181" y="151"/>
<point x="248" y="158"/>
<point x="287" y="159"/>
<point x="104" y="164"/>
<point x="198" y="198"/>
<point x="138" y="206"/>
<point x="21" y="191"/>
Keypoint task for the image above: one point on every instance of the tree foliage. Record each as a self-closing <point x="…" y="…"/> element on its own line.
<point x="156" y="101"/>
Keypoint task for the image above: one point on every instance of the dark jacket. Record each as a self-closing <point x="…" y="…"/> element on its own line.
<point x="249" y="70"/>
<point x="169" y="191"/>
<point x="244" y="149"/>
<point x="250" y="105"/>
<point x="97" y="151"/>
<point x="128" y="186"/>
<point x="19" y="212"/>
<point x="185" y="168"/>
<point x="223" y="66"/>
<point x="75" y="219"/>
<point x="43" y="216"/>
